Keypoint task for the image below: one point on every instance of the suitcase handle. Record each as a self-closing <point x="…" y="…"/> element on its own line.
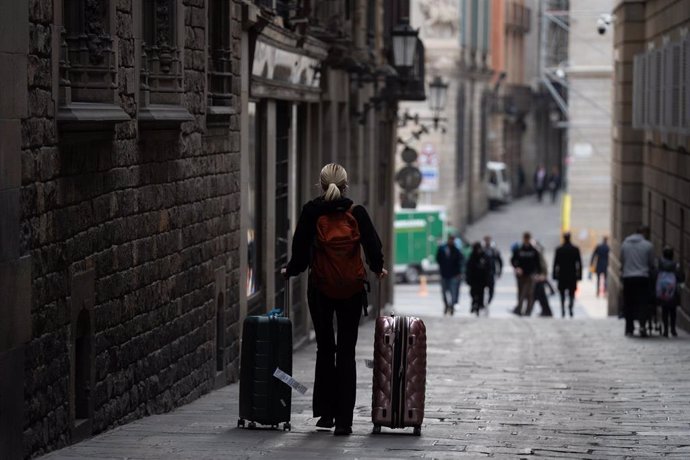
<point x="286" y="298"/>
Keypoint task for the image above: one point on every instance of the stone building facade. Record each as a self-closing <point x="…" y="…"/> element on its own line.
<point x="590" y="98"/>
<point x="120" y="212"/>
<point x="155" y="157"/>
<point x="651" y="141"/>
<point x="457" y="49"/>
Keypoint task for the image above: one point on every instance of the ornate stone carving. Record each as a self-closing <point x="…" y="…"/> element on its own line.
<point x="441" y="18"/>
<point x="161" y="64"/>
<point x="94" y="28"/>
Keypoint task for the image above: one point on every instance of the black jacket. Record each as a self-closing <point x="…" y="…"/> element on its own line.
<point x="452" y="264"/>
<point x="526" y="257"/>
<point x="305" y="234"/>
<point x="567" y="266"/>
<point x="478" y="272"/>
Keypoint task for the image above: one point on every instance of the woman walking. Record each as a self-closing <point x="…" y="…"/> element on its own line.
<point x="478" y="274"/>
<point x="327" y="240"/>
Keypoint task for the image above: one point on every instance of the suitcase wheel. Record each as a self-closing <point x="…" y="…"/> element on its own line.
<point x="240" y="423"/>
<point x="377" y="429"/>
<point x="417" y="431"/>
<point x="287" y="426"/>
<point x="252" y="425"/>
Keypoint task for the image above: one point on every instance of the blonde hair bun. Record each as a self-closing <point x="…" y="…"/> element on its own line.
<point x="333" y="180"/>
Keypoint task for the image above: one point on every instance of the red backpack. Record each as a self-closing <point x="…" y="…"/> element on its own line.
<point x="337" y="268"/>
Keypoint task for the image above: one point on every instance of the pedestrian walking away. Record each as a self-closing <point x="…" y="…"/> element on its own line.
<point x="327" y="240"/>
<point x="540" y="178"/>
<point x="600" y="265"/>
<point x="637" y="269"/>
<point x="478" y="274"/>
<point x="554" y="183"/>
<point x="669" y="278"/>
<point x="567" y="270"/>
<point x="451" y="263"/>
<point x="495" y="266"/>
<point x="525" y="261"/>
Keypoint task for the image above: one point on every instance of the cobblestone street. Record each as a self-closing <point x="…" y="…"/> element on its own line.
<point x="498" y="387"/>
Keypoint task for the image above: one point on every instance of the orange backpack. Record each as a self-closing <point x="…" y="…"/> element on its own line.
<point x="337" y="268"/>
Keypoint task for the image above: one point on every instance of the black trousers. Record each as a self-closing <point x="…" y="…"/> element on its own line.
<point x="335" y="381"/>
<point x="668" y="312"/>
<point x="636" y="294"/>
<point x="571" y="299"/>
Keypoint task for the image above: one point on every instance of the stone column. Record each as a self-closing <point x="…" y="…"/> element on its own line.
<point x="627" y="155"/>
<point x="15" y="267"/>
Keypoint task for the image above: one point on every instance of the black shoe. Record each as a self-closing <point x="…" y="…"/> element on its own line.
<point x="665" y="334"/>
<point x="342" y="431"/>
<point x="674" y="333"/>
<point x="326" y="422"/>
<point x="643" y="333"/>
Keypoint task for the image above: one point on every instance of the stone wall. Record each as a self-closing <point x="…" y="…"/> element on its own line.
<point x="651" y="169"/>
<point x="133" y="235"/>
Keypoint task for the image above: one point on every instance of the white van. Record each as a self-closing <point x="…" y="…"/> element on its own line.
<point x="497" y="183"/>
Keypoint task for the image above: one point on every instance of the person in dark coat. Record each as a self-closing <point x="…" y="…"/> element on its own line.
<point x="496" y="266"/>
<point x="525" y="262"/>
<point x="541" y="283"/>
<point x="451" y="264"/>
<point x="478" y="273"/>
<point x="567" y="270"/>
<point x="600" y="262"/>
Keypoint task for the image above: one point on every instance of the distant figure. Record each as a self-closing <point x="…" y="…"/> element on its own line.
<point x="478" y="274"/>
<point x="637" y="268"/>
<point x="554" y="183"/>
<point x="600" y="263"/>
<point x="451" y="263"/>
<point x="521" y="180"/>
<point x="567" y="270"/>
<point x="496" y="266"/>
<point x="668" y="280"/>
<point x="525" y="260"/>
<point x="540" y="182"/>
<point x="541" y="283"/>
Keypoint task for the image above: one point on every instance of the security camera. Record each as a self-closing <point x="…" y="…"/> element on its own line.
<point x="603" y="23"/>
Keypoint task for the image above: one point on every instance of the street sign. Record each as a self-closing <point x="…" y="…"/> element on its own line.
<point x="430" y="178"/>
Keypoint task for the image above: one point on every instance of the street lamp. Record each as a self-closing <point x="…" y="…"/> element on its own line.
<point x="438" y="90"/>
<point x="404" y="45"/>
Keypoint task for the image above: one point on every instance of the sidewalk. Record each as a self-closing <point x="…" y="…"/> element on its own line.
<point x="499" y="387"/>
<point x="506" y="388"/>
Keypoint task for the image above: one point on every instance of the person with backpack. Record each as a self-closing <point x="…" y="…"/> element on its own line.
<point x="478" y="272"/>
<point x="451" y="264"/>
<point x="669" y="277"/>
<point x="327" y="240"/>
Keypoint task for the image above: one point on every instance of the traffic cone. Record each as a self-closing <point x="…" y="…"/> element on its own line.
<point x="423" y="290"/>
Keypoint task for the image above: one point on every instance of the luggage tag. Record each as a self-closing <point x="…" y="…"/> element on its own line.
<point x="289" y="381"/>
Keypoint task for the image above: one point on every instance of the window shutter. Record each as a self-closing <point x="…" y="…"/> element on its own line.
<point x="638" y="92"/>
<point x="675" y="92"/>
<point x="667" y="89"/>
<point x="685" y="87"/>
<point x="654" y="70"/>
<point x="647" y="90"/>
